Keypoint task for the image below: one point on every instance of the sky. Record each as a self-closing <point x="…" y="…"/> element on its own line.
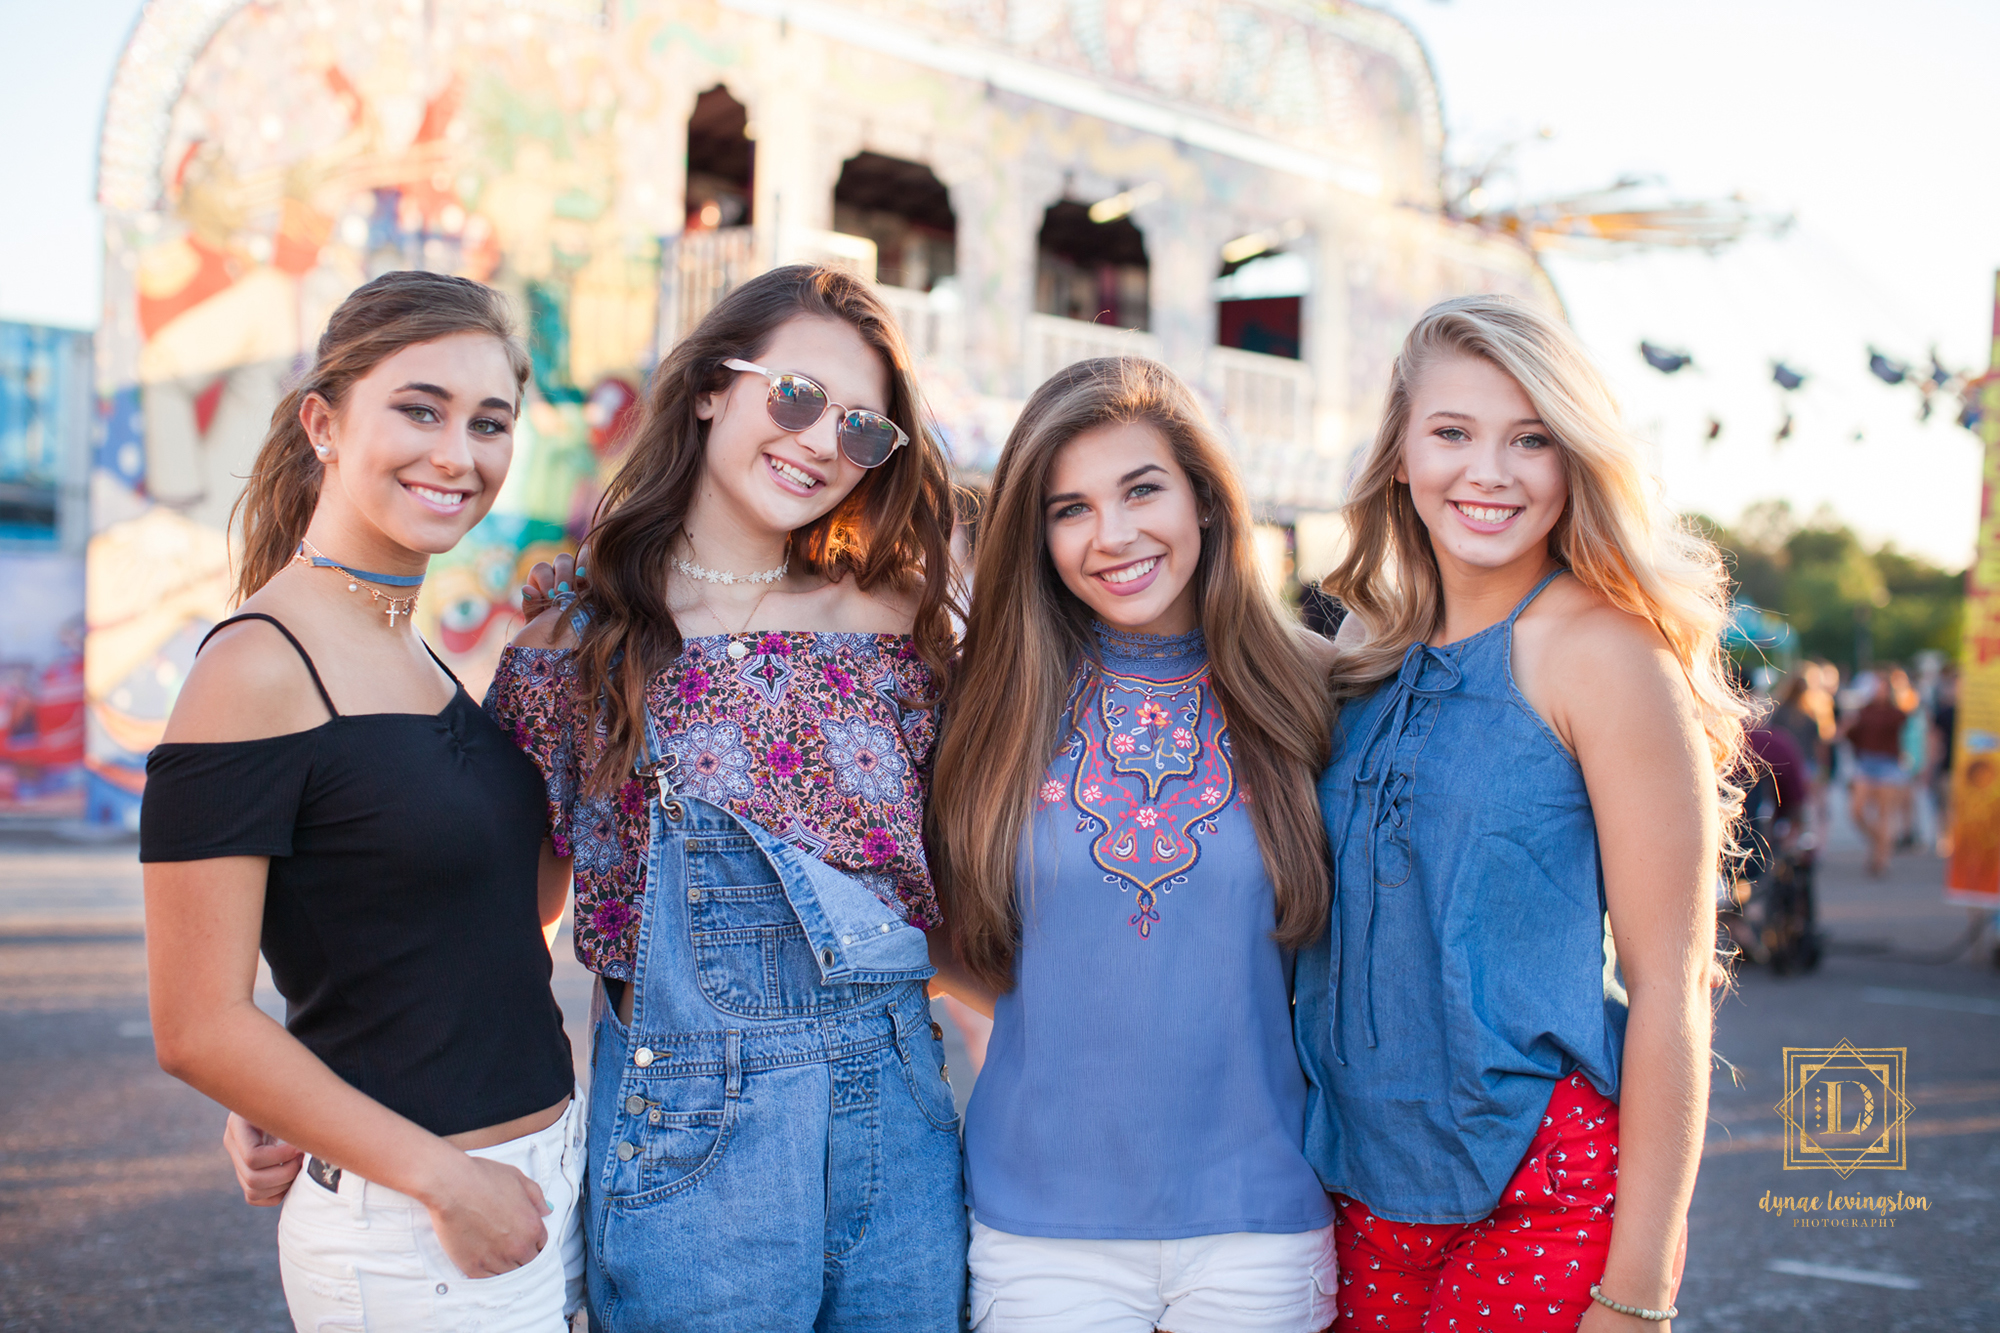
<point x="1863" y="123"/>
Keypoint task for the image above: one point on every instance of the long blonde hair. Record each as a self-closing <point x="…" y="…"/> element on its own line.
<point x="1615" y="535"/>
<point x="1026" y="630"/>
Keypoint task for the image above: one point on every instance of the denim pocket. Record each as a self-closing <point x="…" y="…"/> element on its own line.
<point x="751" y="955"/>
<point x="667" y="1135"/>
<point x="924" y="1073"/>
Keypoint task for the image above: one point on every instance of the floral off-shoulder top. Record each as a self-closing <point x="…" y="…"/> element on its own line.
<point x="806" y="734"/>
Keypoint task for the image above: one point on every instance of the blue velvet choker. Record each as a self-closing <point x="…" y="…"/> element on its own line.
<point x="318" y="561"/>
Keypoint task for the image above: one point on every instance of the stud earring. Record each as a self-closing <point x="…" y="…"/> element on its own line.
<point x="325" y="453"/>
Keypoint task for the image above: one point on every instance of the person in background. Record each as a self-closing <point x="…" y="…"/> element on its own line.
<point x="1823" y="703"/>
<point x="1917" y="758"/>
<point x="326" y="790"/>
<point x="1318" y="612"/>
<point x="1777" y="750"/>
<point x="1804" y="712"/>
<point x="1530" y="780"/>
<point x="1879" y="787"/>
<point x="1795" y="714"/>
<point x="1943" y="737"/>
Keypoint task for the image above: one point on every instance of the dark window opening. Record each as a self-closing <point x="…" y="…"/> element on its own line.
<point x="1093" y="271"/>
<point x="1260" y="303"/>
<point x="720" y="162"/>
<point x="1269" y="325"/>
<point x="906" y="210"/>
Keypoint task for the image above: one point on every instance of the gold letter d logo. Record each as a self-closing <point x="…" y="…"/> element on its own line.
<point x="1839" y="1107"/>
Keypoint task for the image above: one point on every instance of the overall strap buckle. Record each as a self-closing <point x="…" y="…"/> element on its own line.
<point x="660" y="765"/>
<point x="661" y="773"/>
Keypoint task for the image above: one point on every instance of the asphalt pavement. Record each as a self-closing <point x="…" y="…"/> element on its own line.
<point x="118" y="1210"/>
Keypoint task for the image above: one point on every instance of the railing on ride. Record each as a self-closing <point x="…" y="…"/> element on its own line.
<point x="701" y="267"/>
<point x="1267" y="407"/>
<point x="1055" y="342"/>
<point x="931" y="323"/>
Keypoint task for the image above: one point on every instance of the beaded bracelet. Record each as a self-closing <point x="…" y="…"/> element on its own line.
<point x="1636" y="1311"/>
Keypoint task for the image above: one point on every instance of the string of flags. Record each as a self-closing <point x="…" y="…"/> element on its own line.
<point x="1929" y="384"/>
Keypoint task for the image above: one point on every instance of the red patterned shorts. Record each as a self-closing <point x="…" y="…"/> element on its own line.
<point x="1528" y="1266"/>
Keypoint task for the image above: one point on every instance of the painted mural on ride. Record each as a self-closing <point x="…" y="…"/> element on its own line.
<point x="260" y="161"/>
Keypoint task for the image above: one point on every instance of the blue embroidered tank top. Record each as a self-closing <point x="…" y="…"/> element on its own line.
<point x="1468" y="967"/>
<point x="1141" y="1082"/>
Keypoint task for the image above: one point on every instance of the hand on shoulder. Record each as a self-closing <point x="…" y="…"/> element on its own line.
<point x="247" y="683"/>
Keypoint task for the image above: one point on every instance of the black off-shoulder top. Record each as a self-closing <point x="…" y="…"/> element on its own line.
<point x="400" y="910"/>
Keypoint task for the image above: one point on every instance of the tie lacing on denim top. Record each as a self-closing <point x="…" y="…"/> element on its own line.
<point x="1465" y="970"/>
<point x="1388" y="784"/>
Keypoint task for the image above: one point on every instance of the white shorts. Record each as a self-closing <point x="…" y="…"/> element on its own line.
<point x="367" y="1258"/>
<point x="1243" y="1282"/>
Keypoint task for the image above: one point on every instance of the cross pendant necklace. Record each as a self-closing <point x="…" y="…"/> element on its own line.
<point x="392" y="606"/>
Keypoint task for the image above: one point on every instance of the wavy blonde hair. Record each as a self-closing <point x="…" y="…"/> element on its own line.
<point x="1615" y="534"/>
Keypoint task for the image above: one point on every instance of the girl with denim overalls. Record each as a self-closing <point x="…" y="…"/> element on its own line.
<point x="1507" y="1028"/>
<point x="734" y="725"/>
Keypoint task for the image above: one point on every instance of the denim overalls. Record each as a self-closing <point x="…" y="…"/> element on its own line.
<point x="773" y="1142"/>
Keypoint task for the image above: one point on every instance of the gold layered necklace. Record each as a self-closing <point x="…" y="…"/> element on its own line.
<point x="701" y="574"/>
<point x="358" y="580"/>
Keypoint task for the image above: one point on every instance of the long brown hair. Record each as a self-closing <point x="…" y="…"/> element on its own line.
<point x="893" y="531"/>
<point x="1026" y="630"/>
<point x="376" y="321"/>
<point x="1614" y="535"/>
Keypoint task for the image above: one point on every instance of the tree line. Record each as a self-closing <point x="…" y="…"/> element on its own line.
<point x="1846" y="603"/>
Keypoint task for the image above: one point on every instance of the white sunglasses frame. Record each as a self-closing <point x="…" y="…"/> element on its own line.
<point x="772" y="376"/>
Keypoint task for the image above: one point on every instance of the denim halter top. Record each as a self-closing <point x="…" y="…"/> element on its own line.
<point x="1468" y="966"/>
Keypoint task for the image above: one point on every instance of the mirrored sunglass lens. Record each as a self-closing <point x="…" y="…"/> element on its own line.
<point x="796" y="403"/>
<point x="867" y="438"/>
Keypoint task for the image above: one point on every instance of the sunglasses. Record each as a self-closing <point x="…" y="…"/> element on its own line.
<point x="797" y="403"/>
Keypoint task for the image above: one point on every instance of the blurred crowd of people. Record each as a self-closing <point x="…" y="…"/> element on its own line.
<point x="1884" y="732"/>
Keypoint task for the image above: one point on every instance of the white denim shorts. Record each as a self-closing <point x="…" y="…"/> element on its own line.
<point x="366" y="1258"/>
<point x="1243" y="1282"/>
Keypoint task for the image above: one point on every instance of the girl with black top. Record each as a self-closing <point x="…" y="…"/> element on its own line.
<point x="328" y="791"/>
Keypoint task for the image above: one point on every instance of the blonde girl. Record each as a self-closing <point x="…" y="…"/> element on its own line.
<point x="1508" y="1092"/>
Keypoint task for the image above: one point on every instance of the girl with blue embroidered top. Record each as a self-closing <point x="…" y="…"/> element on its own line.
<point x="734" y="727"/>
<point x="1529" y="779"/>
<point x="1123" y="820"/>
